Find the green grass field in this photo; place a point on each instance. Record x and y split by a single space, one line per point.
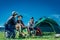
44 37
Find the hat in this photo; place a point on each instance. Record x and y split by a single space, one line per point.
14 13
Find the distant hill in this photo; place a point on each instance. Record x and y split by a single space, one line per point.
2 29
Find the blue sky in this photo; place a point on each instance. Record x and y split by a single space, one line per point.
30 8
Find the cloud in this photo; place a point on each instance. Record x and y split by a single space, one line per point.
1 26
56 16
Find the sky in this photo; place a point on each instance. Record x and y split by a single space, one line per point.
30 8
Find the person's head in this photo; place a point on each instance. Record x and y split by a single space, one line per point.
32 19
14 13
19 17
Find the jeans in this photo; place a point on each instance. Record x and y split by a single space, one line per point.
10 33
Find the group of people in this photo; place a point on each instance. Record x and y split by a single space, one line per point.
12 25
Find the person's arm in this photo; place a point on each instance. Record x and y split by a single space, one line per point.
14 21
22 24
28 24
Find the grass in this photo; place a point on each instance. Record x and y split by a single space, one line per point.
44 37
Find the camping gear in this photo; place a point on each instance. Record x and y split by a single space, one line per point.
47 25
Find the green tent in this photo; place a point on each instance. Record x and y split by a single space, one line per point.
47 25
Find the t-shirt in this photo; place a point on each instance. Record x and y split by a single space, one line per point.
30 24
20 21
11 21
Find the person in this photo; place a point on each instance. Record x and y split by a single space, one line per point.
10 26
30 26
20 25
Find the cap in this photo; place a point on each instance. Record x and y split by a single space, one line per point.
14 13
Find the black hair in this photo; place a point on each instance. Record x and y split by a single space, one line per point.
20 16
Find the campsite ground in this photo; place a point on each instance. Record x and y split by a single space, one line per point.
45 37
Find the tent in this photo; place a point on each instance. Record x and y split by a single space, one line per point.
47 25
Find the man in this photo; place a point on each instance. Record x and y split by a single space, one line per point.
10 26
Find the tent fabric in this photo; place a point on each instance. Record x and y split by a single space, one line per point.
44 23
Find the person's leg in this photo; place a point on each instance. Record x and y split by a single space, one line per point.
8 34
13 34
30 31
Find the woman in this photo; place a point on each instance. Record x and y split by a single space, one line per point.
30 26
20 25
